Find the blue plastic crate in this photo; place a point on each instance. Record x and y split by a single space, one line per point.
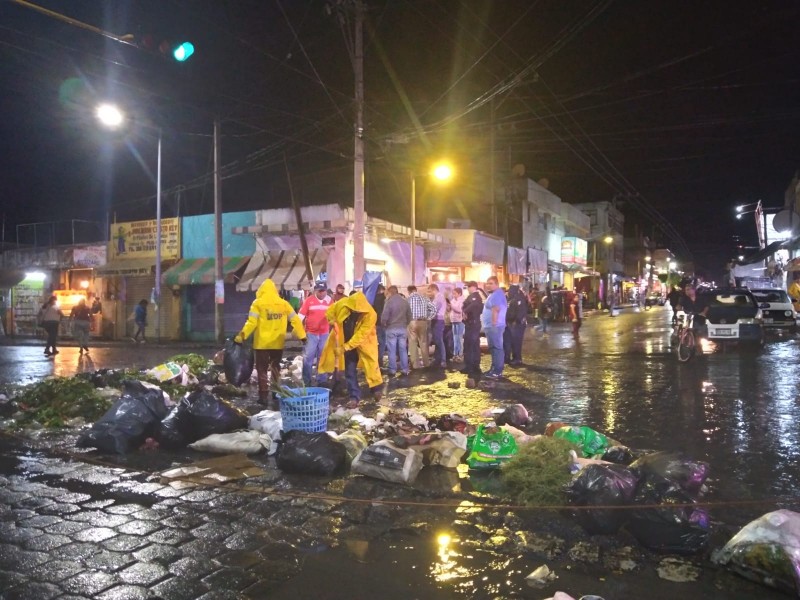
308 412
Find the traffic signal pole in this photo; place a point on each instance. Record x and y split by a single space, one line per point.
219 281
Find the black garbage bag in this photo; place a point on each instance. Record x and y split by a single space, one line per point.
619 455
196 416
237 362
602 485
682 529
687 473
304 453
130 420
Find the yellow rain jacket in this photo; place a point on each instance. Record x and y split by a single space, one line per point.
794 294
269 314
364 339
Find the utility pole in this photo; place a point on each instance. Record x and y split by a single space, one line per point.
219 281
492 141
298 215
358 170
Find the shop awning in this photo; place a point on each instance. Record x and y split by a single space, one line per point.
129 267
286 268
10 277
200 271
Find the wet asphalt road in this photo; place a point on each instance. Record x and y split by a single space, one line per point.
736 409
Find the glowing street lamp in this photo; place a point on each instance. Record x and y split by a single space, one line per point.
112 117
109 115
442 172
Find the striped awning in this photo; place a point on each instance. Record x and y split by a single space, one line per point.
200 271
286 268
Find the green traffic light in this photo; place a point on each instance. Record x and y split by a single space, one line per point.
183 51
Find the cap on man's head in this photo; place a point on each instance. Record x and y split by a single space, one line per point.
320 287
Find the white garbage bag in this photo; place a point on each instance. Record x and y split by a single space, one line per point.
247 442
269 422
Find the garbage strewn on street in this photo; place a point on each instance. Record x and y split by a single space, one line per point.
608 488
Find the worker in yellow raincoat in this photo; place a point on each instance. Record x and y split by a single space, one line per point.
353 343
794 291
269 315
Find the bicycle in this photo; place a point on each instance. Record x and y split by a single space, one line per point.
687 340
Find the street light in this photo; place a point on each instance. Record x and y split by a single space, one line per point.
442 172
112 117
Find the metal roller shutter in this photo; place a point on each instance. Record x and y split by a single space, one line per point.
141 288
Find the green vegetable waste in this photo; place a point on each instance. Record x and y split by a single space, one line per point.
537 475
196 363
55 401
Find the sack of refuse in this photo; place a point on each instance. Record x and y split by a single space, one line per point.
766 550
440 448
246 442
490 447
198 415
516 415
602 485
269 422
590 442
237 362
620 455
384 460
682 529
129 421
689 474
353 441
304 453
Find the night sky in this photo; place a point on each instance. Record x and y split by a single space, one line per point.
685 108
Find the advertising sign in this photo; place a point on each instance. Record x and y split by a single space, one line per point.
137 239
89 256
574 251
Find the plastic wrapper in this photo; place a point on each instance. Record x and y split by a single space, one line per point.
237 362
667 528
129 422
269 422
165 371
602 485
304 453
354 442
247 442
490 447
587 439
196 416
384 460
451 422
687 473
766 550
439 448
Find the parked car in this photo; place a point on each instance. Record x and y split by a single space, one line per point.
776 308
733 315
654 299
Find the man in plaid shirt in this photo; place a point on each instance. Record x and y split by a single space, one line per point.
422 311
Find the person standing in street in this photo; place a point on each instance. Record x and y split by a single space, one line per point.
516 322
575 314
339 294
472 310
437 326
545 311
268 319
353 343
316 326
422 312
493 320
457 320
395 319
378 304
50 318
81 316
140 320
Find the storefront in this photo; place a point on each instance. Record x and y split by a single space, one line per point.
129 277
466 255
329 235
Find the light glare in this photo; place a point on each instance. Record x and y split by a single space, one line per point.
109 115
442 172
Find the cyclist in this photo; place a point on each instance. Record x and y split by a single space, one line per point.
674 297
691 305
